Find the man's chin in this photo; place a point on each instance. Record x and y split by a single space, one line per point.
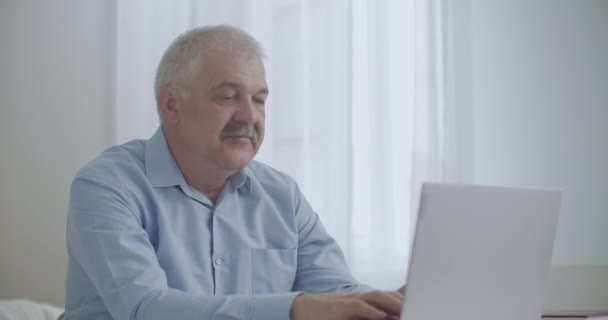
235 161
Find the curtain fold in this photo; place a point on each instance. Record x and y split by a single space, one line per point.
358 112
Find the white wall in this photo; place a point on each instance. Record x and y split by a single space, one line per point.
55 66
540 106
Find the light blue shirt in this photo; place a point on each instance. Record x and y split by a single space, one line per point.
143 244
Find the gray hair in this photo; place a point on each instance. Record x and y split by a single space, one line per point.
183 56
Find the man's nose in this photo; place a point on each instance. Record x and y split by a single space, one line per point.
247 112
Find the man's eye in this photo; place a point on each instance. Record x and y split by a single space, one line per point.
228 97
259 101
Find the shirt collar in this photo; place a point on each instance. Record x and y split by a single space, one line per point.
241 178
162 170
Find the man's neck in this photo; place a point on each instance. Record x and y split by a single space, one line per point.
208 181
202 176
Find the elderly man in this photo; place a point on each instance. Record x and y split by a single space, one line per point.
186 226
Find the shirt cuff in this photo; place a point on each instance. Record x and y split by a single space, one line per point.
273 306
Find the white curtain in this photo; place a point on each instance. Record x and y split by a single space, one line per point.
359 111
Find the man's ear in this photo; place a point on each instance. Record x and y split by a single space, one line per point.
168 105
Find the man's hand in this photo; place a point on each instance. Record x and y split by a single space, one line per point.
402 289
374 305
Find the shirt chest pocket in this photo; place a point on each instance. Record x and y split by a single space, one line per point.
273 270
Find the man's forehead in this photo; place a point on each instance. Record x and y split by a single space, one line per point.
232 71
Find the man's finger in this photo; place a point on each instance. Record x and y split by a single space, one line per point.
397 295
402 289
383 301
357 308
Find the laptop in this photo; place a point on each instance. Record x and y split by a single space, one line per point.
480 253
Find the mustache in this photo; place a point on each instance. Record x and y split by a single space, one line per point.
238 128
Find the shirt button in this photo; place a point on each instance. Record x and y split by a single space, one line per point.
218 261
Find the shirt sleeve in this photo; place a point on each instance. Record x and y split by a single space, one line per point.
105 238
322 266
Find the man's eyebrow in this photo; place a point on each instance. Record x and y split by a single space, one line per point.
237 86
226 84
